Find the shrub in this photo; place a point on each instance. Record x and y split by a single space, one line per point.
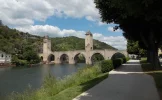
117 62
106 66
124 60
127 58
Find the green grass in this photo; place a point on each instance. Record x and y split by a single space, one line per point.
66 88
70 93
156 73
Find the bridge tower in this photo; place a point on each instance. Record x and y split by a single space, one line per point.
88 46
46 48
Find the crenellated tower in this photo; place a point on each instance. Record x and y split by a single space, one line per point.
88 46
88 41
46 48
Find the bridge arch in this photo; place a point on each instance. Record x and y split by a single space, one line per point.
97 57
51 58
81 57
41 58
64 58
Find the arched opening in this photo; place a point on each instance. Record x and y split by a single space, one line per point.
79 58
117 55
64 58
41 58
97 57
51 58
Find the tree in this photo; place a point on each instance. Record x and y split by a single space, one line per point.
30 55
134 48
140 20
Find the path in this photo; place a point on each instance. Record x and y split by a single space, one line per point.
125 83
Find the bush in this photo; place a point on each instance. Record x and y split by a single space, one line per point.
127 58
117 62
124 60
106 66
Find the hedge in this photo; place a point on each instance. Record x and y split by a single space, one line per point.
124 60
117 62
106 66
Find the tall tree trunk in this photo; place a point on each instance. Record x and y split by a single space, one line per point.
148 56
153 48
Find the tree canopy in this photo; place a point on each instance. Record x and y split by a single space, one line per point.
140 20
134 48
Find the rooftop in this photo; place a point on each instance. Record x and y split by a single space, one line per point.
88 33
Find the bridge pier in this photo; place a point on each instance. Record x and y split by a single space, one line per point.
88 61
57 60
71 60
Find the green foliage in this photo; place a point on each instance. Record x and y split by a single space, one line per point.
124 60
97 57
133 47
23 46
140 21
75 43
117 55
18 62
106 66
127 59
52 86
31 56
117 62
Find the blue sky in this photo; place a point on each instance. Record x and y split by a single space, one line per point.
59 18
79 24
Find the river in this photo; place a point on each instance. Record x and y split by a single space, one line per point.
19 79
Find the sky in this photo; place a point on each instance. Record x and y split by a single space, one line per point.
59 18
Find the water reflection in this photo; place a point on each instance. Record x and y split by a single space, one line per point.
18 79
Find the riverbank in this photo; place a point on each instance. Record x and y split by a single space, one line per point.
70 86
6 65
66 88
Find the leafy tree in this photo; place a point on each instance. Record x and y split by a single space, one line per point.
31 56
134 48
140 20
19 44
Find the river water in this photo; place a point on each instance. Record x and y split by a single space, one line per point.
19 79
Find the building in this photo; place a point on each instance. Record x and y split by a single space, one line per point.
5 58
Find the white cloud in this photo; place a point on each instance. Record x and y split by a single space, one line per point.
111 29
21 14
53 31
101 23
24 12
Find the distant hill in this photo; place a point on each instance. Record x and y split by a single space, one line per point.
13 41
75 43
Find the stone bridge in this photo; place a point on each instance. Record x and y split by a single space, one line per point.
57 57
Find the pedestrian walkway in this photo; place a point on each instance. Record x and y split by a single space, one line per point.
125 83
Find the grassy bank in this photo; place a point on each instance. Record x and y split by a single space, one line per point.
70 86
66 88
156 73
